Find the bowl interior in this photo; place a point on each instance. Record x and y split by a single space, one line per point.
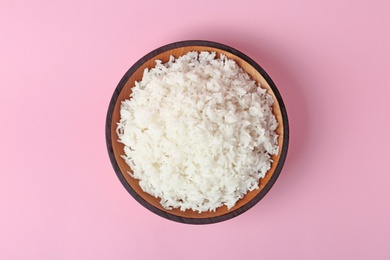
118 147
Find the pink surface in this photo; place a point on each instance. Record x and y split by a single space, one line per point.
60 62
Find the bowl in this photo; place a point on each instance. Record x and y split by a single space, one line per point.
115 149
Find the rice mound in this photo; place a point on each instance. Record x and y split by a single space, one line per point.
198 132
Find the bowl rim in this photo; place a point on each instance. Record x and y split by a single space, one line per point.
141 200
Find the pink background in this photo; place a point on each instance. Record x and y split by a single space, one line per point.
60 62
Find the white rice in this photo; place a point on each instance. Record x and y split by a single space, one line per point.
198 132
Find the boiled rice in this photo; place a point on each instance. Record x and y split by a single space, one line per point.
198 132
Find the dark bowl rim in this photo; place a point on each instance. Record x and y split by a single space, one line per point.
160 212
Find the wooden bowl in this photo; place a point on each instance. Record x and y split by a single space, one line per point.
115 149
